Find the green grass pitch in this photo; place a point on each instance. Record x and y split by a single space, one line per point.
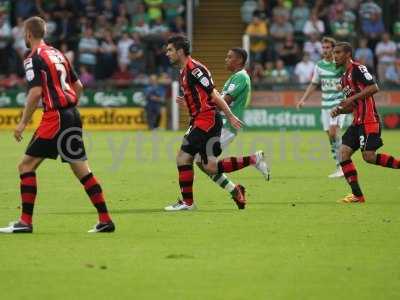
292 242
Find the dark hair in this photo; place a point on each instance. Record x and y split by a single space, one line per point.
330 40
346 47
36 26
240 52
180 42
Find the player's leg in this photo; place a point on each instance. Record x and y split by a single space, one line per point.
335 142
350 144
94 191
28 187
191 142
221 179
184 162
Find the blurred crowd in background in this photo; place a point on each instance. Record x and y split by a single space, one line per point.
285 36
113 43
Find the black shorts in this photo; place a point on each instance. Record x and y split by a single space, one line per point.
205 143
357 137
59 133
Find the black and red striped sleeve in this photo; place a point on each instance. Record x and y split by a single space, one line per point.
32 66
202 77
362 75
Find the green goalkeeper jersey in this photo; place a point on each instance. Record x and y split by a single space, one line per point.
328 75
238 86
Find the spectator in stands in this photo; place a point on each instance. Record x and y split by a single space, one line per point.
281 10
280 74
368 9
101 26
371 20
5 41
136 55
314 26
107 55
258 32
342 29
88 47
247 9
140 15
154 9
122 78
289 52
386 54
177 25
365 54
141 27
280 28
25 8
123 46
173 9
69 54
19 46
392 73
121 25
90 10
109 11
313 47
267 74
86 77
300 15
304 69
257 73
155 96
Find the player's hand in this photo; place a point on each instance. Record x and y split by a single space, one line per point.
180 100
18 131
336 111
300 104
235 122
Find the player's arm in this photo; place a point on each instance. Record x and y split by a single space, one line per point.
315 81
222 105
362 75
228 99
77 86
32 101
310 89
32 66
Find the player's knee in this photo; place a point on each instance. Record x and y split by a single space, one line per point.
24 167
369 157
210 168
344 154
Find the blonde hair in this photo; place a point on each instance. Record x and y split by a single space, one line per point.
36 26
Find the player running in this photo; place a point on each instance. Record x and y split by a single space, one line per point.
203 135
51 79
365 133
236 93
327 74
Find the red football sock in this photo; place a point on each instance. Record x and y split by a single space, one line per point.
186 176
387 161
350 173
231 164
95 193
28 195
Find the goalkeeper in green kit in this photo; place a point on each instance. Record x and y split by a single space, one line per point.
236 93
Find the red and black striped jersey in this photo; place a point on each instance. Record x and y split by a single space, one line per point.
354 80
197 86
48 68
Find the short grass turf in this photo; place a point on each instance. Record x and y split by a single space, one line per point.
292 242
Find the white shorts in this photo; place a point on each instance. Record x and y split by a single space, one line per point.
327 121
226 138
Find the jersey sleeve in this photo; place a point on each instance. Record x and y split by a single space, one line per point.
236 86
362 75
315 77
202 77
72 73
32 71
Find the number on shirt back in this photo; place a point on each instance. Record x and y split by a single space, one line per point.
58 61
